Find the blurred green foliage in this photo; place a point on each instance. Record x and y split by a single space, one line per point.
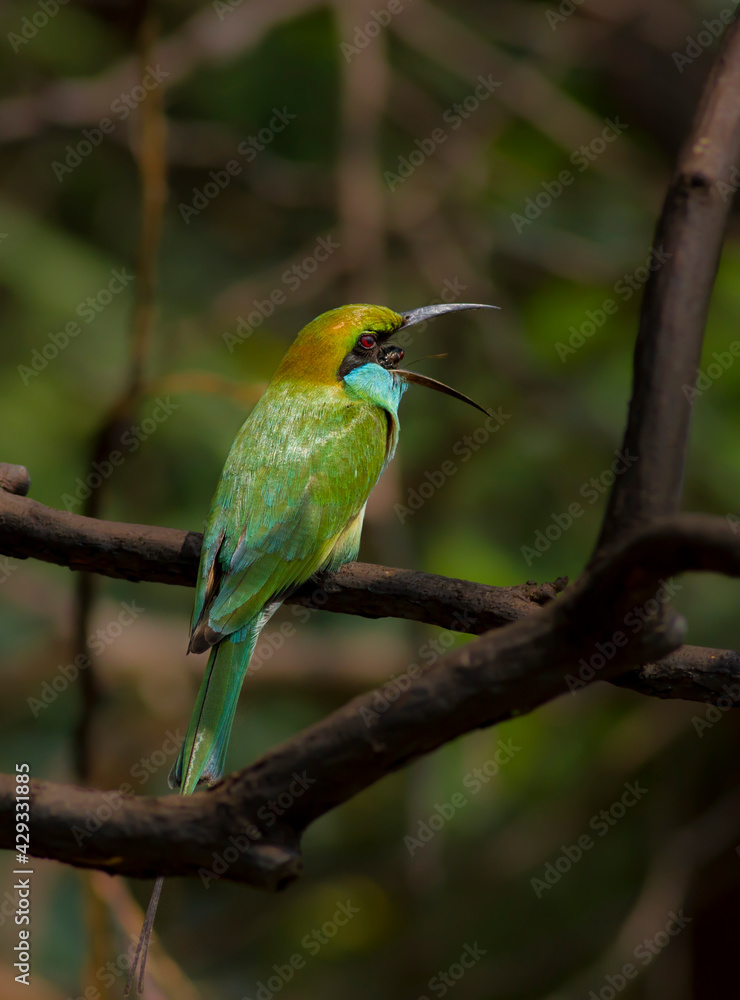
449 225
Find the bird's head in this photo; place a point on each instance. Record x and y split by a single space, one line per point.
344 339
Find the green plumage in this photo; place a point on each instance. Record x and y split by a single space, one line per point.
203 752
291 501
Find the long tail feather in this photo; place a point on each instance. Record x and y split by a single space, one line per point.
142 948
203 752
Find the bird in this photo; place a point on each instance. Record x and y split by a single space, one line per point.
290 503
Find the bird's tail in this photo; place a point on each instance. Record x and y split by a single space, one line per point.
203 752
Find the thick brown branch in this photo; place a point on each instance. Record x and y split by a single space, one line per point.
501 674
167 555
674 309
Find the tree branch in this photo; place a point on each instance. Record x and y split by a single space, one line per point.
168 555
499 675
675 305
236 830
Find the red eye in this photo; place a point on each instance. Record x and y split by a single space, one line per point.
367 341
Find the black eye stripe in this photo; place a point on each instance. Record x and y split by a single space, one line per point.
363 353
359 355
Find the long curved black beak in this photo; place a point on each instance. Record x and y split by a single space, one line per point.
421 315
432 383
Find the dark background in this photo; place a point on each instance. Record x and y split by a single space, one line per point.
452 227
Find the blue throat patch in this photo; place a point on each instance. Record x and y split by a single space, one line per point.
377 385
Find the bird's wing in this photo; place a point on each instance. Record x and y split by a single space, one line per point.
289 502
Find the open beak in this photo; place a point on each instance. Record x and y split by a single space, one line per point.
415 316
432 383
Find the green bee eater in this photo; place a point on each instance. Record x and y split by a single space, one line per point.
291 502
